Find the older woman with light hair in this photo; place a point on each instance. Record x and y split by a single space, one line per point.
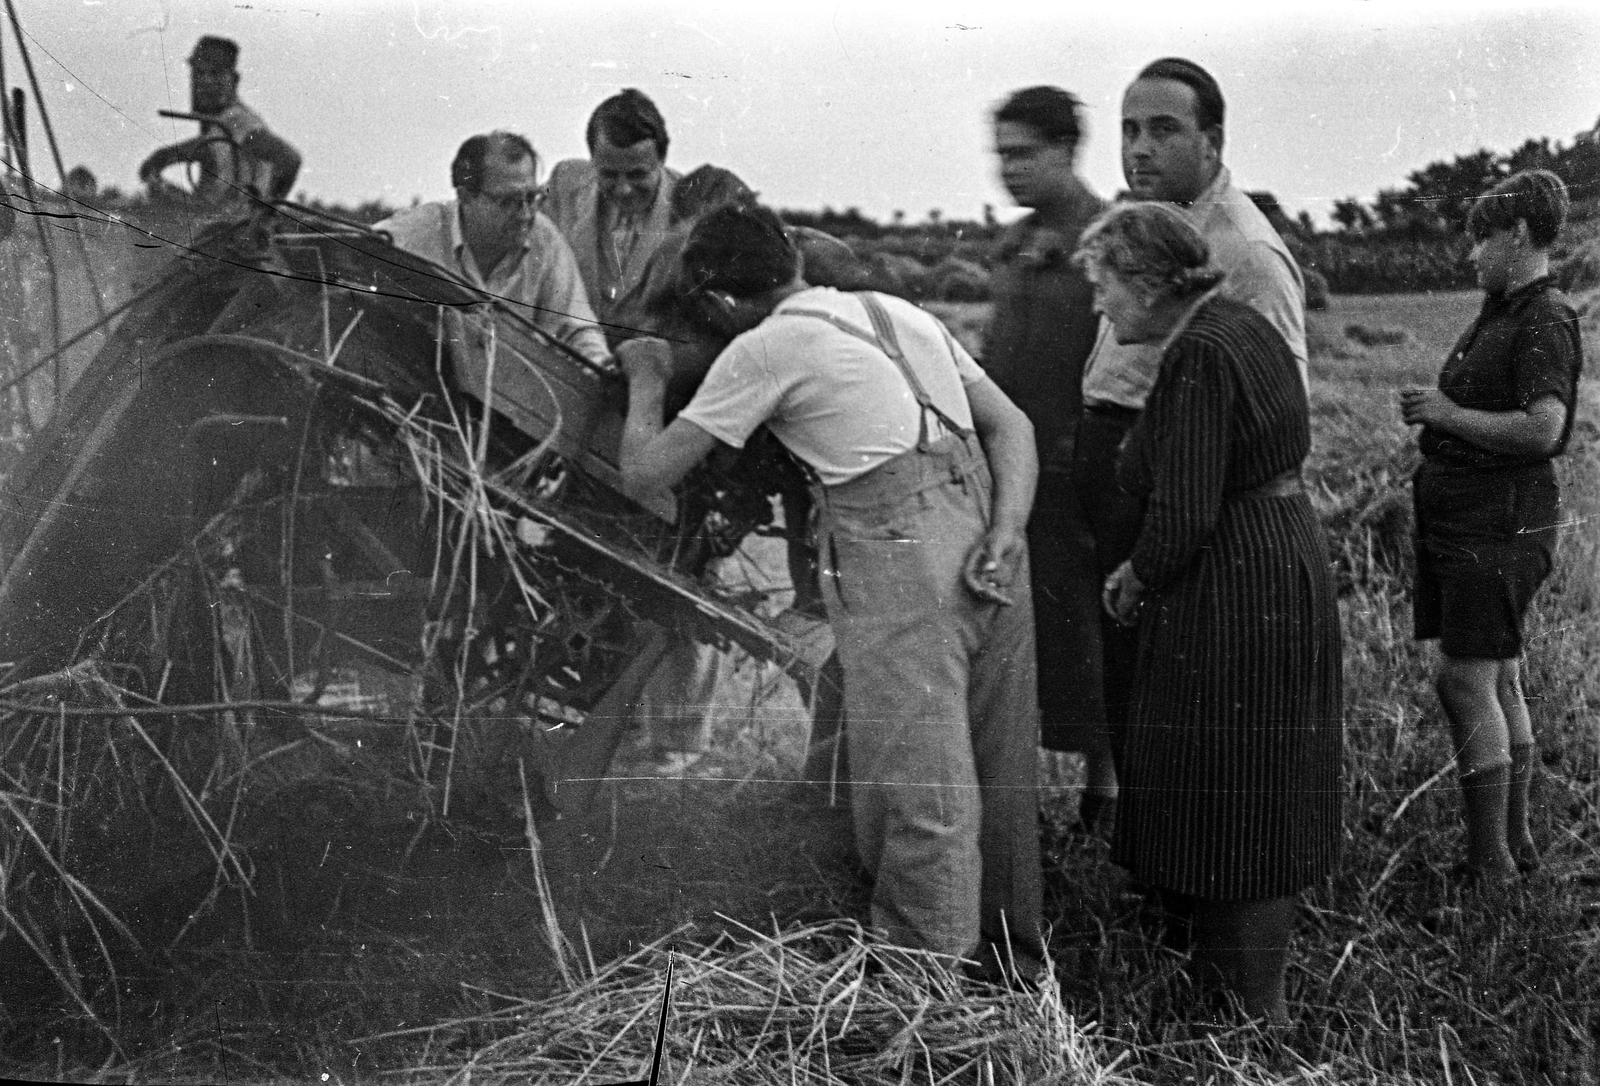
1231 795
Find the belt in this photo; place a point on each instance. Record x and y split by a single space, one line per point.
1286 485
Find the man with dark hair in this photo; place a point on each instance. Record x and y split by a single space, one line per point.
923 475
615 210
622 212
676 705
236 154
625 119
1209 107
1042 328
1172 141
492 236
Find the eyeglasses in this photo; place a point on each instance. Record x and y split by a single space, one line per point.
512 202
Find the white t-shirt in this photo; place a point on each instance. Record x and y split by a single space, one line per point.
834 400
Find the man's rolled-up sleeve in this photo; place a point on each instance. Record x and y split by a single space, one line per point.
562 304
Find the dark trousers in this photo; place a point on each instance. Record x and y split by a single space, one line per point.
1113 517
1066 613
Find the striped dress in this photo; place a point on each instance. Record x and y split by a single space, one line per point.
1230 788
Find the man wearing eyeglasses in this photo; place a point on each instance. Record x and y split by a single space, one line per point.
493 235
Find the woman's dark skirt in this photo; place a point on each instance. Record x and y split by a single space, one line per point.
1230 785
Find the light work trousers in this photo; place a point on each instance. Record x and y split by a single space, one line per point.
940 691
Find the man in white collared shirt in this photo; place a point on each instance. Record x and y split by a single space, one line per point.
493 236
1171 150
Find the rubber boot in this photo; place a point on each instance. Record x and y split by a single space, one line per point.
1518 800
1484 796
1166 917
1097 805
1241 953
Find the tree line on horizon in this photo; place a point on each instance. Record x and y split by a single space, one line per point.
1412 237
1406 238
1436 198
1433 202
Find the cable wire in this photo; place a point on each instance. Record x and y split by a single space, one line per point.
55 148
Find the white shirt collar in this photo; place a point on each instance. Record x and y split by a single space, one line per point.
1212 194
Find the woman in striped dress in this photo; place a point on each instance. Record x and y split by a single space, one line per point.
1231 795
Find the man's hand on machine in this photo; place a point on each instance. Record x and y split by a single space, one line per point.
645 359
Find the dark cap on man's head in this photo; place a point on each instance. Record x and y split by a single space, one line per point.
213 52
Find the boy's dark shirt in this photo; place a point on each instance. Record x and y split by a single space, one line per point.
1524 345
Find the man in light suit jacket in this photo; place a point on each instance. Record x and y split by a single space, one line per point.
615 208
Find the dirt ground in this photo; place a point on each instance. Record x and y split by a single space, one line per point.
360 929
355 932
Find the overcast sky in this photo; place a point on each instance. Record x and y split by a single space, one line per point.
877 106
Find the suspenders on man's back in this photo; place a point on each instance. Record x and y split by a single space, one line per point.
888 342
